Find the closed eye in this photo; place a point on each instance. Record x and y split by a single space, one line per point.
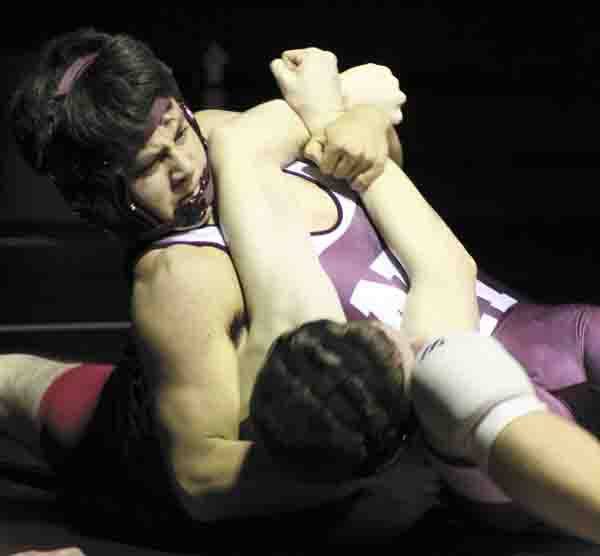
179 139
146 170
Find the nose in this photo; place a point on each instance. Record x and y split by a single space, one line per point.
181 168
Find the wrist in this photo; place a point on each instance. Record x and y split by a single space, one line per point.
317 122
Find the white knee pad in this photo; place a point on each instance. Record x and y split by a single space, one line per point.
466 388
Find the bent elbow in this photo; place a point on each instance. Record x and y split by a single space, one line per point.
470 265
200 497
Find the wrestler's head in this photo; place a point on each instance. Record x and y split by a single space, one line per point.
104 118
330 403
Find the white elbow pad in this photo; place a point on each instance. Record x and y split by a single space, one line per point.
466 388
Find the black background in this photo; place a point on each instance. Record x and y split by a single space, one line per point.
500 133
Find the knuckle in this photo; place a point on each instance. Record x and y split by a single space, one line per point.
352 151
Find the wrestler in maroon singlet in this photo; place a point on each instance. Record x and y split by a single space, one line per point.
558 345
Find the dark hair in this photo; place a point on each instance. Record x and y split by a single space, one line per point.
87 139
329 404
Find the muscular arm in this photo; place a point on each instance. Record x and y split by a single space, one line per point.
282 279
202 397
442 274
550 466
183 314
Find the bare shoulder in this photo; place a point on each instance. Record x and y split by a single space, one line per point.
184 301
181 270
184 296
209 120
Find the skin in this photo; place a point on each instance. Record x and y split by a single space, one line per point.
220 475
527 458
203 390
168 167
163 281
207 456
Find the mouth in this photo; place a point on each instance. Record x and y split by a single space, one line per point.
192 210
192 197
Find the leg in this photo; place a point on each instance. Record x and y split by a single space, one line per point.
559 346
583 398
41 398
24 379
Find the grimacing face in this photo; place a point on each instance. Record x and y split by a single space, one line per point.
168 168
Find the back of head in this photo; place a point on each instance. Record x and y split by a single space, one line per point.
86 139
329 404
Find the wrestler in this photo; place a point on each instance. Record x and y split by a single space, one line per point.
365 427
235 325
161 200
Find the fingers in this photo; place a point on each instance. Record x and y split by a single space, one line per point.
359 168
352 167
295 58
363 165
347 167
280 71
291 61
364 180
314 149
332 156
397 116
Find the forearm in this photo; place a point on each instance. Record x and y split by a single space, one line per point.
271 131
237 479
442 273
396 150
550 466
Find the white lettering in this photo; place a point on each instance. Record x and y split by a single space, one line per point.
386 268
500 301
380 300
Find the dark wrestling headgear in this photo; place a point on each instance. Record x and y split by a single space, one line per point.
114 209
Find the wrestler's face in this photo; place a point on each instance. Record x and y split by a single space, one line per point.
168 168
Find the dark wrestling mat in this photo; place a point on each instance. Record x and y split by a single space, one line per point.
31 518
42 281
